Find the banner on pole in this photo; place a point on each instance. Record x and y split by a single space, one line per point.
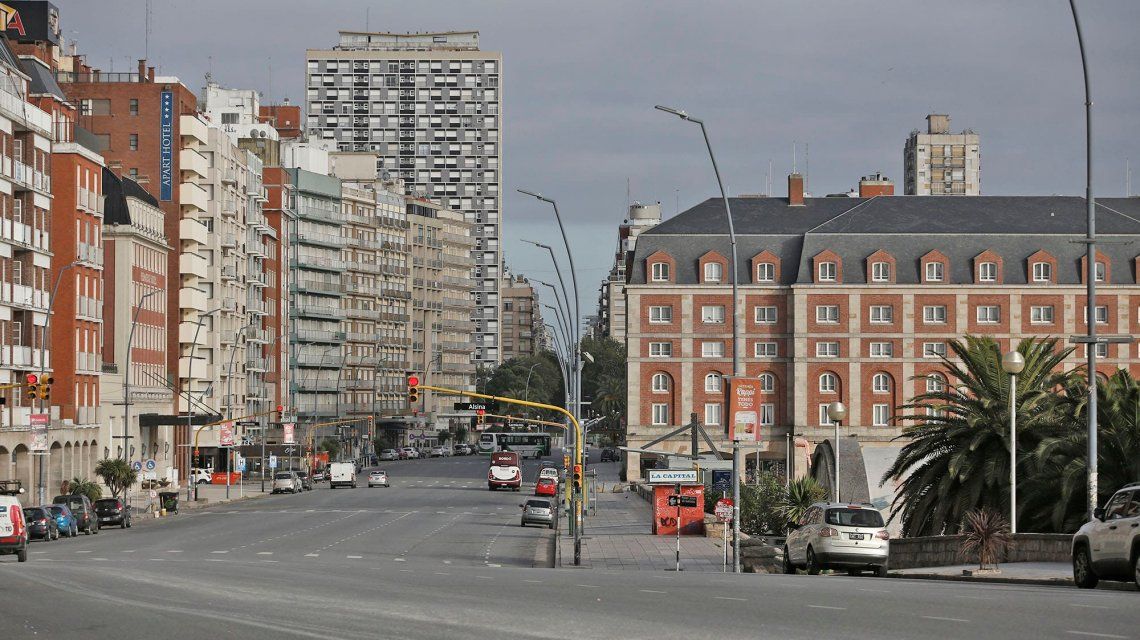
289 432
226 435
39 423
743 409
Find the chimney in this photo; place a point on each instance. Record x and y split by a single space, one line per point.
874 185
142 70
937 123
795 190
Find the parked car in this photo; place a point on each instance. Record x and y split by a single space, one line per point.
461 450
319 475
546 487
64 520
306 481
838 536
437 452
41 524
1108 546
388 455
201 476
286 482
409 453
112 511
83 511
610 454
538 511
378 479
13 528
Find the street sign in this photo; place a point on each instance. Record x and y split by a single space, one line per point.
136 465
290 450
240 463
246 423
723 509
150 464
684 501
150 475
288 431
272 462
471 406
672 476
721 479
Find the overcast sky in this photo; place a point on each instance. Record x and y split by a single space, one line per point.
847 77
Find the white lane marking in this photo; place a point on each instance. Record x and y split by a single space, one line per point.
1090 606
81 552
312 555
533 581
1096 635
405 571
446 562
820 606
354 557
651 591
728 598
127 551
588 586
945 619
485 577
271 561
99 559
174 551
264 553
219 552
441 573
399 559
875 590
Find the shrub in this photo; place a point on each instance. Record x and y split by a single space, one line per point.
986 534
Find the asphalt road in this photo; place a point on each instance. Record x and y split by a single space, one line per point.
439 556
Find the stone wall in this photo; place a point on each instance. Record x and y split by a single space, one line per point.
940 551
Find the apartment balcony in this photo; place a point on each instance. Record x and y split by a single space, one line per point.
258 336
27 176
253 246
187 332
192 230
315 311
321 239
260 365
88 308
192 264
193 129
21 111
229 241
191 298
87 416
228 176
229 208
23 358
191 195
254 303
361 313
317 263
229 272
360 336
256 392
316 335
191 161
201 369
357 384
257 279
305 285
89 201
89 254
320 215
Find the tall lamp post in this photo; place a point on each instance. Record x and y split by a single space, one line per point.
736 370
42 488
837 411
1012 363
190 482
127 380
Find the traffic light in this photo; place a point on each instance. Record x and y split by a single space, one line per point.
32 388
480 416
280 410
577 479
413 390
44 389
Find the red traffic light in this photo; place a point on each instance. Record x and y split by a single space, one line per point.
480 412
280 408
33 378
413 381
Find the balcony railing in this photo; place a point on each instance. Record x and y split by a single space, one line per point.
89 253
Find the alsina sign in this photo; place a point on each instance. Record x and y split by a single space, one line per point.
166 147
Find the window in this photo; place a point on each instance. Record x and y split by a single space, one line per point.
712 349
1041 315
765 315
229 118
827 383
989 314
660 383
767 383
134 173
880 415
660 272
882 314
660 413
712 414
880 272
713 271
1100 271
934 314
660 315
933 349
764 350
827 314
935 383
660 349
881 383
134 105
1101 315
827 349
766 272
134 142
882 350
712 314
767 414
934 271
824 419
1042 272
987 272
712 383
1101 350
827 271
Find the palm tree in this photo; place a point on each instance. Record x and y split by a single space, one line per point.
83 486
116 473
957 456
801 494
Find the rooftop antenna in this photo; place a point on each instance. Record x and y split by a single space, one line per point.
807 168
769 177
1127 178
367 15
793 156
676 201
146 46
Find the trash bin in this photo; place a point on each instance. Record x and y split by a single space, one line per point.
169 501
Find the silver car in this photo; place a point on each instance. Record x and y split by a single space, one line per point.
838 536
1108 546
378 479
286 482
538 511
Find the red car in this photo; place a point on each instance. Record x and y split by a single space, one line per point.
546 487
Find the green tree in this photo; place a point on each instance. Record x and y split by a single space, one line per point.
956 459
116 473
84 487
604 382
800 495
331 445
461 434
533 378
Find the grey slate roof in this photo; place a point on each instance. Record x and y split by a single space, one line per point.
907 227
42 80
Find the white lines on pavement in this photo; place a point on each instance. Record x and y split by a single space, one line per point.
533 581
354 557
485 577
174 550
491 564
82 552
944 619
312 555
99 559
442 573
400 559
274 561
821 606
446 562
651 591
588 586
214 560
264 553
1096 635
1090 606
728 598
127 551
875 590
219 552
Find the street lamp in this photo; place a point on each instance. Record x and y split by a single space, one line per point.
42 488
189 397
837 411
526 394
736 371
1012 363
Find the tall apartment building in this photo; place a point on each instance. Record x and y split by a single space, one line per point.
429 104
854 299
521 319
442 331
611 295
940 163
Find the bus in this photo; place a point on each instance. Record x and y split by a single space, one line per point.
527 445
504 471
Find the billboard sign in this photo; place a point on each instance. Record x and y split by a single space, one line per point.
28 21
743 409
39 424
166 146
226 435
673 476
289 436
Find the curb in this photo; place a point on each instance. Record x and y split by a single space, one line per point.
1045 582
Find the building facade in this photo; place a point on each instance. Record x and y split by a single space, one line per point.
523 328
429 105
940 163
610 321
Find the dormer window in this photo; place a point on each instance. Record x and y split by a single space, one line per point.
1101 270
765 272
659 272
935 272
714 271
987 272
1042 272
827 271
881 272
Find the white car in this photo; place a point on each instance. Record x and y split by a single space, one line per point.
1108 547
389 455
549 472
378 479
201 476
439 452
838 536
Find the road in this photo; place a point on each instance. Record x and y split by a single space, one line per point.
439 556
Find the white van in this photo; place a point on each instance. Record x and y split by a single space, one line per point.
342 474
13 527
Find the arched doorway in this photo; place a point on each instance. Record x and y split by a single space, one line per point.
22 466
55 467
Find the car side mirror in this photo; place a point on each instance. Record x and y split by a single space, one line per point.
1098 513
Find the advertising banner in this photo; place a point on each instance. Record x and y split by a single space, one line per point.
226 435
39 423
289 429
30 21
743 409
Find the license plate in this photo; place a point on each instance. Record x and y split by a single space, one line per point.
855 536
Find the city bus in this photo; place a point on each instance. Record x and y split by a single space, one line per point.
527 445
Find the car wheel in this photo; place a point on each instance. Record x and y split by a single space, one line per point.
97 528
881 571
87 531
1136 567
523 523
789 568
22 554
551 526
813 566
1083 575
123 524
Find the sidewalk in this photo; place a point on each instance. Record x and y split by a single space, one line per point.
208 494
618 537
1043 573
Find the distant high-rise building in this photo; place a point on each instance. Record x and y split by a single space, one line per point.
429 105
610 322
522 320
940 163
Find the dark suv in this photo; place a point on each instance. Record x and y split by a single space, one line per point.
1108 547
85 517
112 511
610 454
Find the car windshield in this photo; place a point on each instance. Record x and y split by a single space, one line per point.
33 513
284 475
106 504
854 517
302 474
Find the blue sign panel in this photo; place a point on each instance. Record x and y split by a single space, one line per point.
166 151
